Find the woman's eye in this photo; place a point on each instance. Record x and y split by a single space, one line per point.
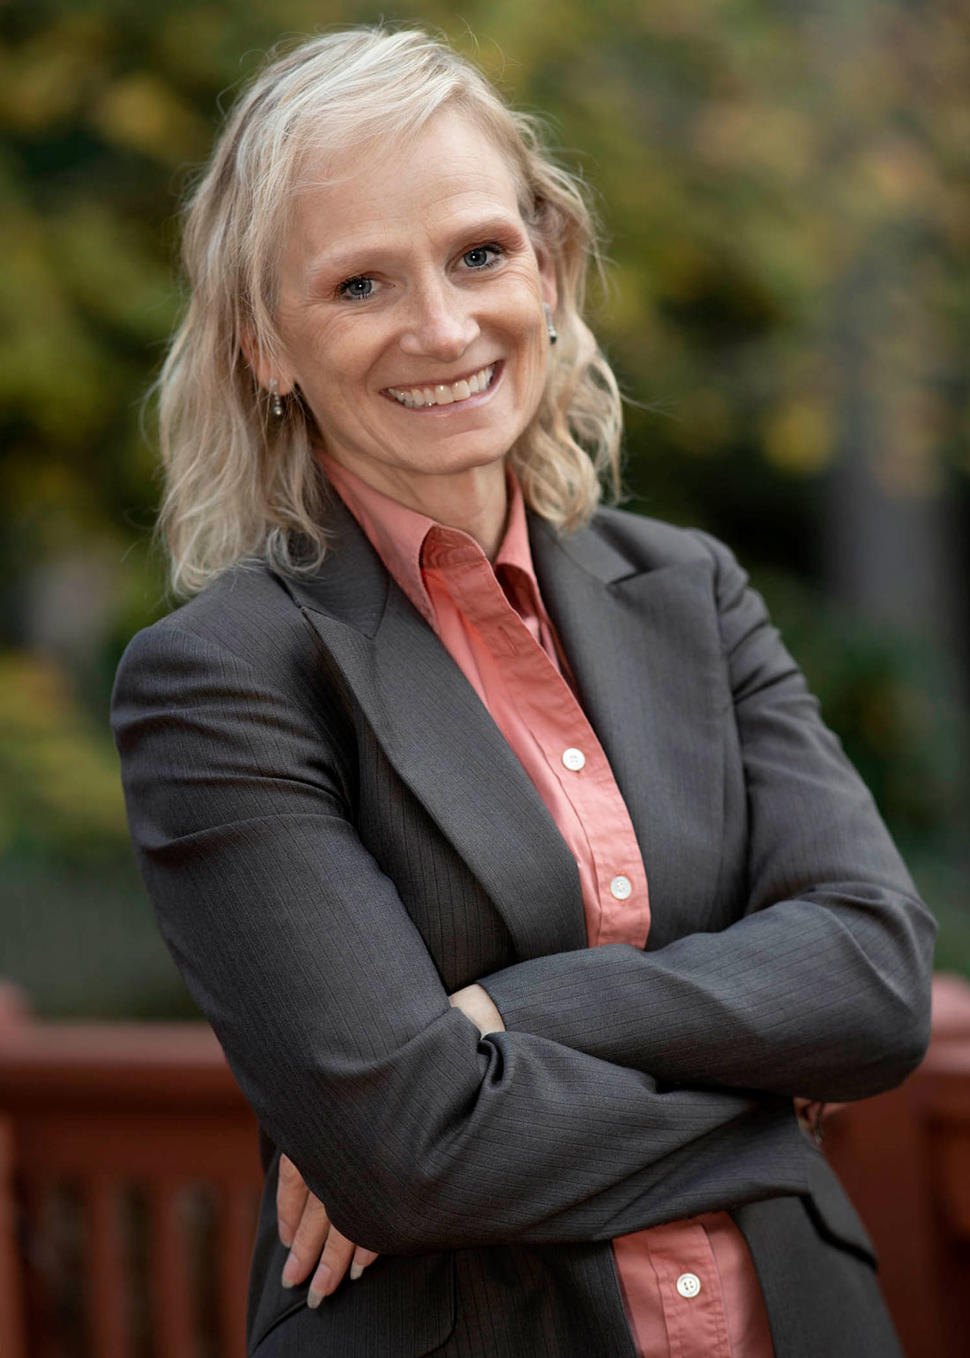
357 288
482 256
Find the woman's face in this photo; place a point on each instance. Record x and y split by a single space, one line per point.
411 308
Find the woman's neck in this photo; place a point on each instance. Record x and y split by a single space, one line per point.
474 501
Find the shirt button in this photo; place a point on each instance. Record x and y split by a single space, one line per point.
573 759
621 888
688 1285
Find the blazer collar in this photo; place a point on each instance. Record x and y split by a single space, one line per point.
442 742
352 583
643 646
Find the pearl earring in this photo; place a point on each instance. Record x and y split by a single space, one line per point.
553 334
275 400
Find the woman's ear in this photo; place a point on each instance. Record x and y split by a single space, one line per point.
547 277
264 369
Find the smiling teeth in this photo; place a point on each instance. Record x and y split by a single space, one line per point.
416 398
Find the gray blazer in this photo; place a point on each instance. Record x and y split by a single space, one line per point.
335 835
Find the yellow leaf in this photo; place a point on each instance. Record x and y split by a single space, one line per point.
798 436
143 114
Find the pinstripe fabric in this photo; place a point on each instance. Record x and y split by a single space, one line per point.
334 836
490 619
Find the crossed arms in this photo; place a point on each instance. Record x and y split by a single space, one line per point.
677 1067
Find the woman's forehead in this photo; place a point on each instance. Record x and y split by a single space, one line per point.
449 137
448 168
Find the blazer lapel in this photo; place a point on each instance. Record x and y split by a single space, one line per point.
443 744
645 651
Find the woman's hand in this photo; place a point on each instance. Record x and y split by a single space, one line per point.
305 1229
810 1113
301 1217
476 1003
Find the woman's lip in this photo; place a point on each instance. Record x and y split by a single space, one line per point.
452 407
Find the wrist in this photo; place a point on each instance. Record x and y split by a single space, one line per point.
476 1004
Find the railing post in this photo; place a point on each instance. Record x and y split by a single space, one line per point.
12 1341
169 1269
107 1290
236 1230
13 1010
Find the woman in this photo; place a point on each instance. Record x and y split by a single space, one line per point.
495 833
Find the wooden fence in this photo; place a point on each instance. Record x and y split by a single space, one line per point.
129 1177
129 1180
905 1159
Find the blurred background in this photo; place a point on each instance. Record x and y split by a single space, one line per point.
783 189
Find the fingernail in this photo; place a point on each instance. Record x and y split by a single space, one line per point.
290 1269
320 1287
286 1236
355 1272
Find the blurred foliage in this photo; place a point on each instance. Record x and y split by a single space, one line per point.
770 177
54 770
889 700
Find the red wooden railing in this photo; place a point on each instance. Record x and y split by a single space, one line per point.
905 1159
129 1177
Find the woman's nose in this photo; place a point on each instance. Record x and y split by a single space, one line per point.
440 324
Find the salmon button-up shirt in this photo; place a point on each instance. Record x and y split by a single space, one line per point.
689 1287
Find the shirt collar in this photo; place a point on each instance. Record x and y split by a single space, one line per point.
398 534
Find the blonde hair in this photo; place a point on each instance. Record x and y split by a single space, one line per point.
240 484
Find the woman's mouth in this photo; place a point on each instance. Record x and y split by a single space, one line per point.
445 394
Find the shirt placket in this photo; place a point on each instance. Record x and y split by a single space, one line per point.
690 1291
572 753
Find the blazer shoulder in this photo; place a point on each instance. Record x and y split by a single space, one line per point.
246 613
652 543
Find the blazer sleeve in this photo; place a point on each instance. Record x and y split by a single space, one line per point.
417 1134
822 988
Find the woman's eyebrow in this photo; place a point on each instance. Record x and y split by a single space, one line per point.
360 256
353 259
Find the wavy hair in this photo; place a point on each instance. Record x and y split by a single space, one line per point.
239 484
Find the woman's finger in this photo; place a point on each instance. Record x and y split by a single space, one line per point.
361 1259
291 1196
309 1239
335 1261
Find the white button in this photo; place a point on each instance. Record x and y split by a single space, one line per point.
573 759
688 1284
621 888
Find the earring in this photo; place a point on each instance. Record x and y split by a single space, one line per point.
553 334
275 400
